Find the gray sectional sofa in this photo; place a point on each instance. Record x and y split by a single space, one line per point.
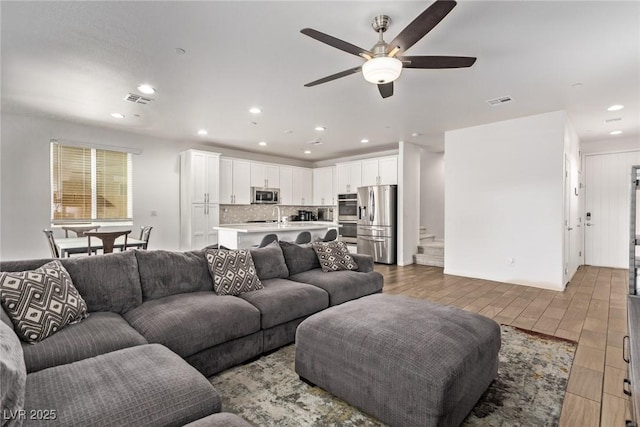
150 311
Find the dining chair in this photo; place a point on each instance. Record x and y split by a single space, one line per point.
331 235
303 237
268 238
79 230
108 239
145 232
55 253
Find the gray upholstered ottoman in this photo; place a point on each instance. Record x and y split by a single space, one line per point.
406 361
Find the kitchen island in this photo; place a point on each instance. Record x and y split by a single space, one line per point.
245 235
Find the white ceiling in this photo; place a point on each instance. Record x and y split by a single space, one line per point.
77 60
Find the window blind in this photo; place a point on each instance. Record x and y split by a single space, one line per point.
89 184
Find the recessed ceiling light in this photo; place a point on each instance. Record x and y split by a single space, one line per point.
202 132
320 128
364 141
146 88
616 107
262 143
307 151
416 134
615 132
117 115
255 110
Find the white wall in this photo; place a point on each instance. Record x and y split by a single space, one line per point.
408 202
25 181
504 200
610 145
432 192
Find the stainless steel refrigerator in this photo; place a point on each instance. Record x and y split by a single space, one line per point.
377 222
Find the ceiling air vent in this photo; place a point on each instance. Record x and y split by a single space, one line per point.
315 142
615 119
499 101
132 97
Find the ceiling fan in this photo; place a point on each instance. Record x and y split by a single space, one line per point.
384 62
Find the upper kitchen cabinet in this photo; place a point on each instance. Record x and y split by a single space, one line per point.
380 171
323 189
349 177
302 189
286 185
235 181
295 186
264 175
199 172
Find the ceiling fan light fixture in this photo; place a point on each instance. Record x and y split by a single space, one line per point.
381 69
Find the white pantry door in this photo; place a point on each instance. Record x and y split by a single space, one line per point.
606 220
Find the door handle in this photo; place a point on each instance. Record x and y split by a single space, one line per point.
588 224
570 228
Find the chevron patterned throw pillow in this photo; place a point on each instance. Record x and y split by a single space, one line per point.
233 271
42 301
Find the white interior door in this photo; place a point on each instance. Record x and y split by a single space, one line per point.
567 221
606 218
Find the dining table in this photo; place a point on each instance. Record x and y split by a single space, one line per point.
76 245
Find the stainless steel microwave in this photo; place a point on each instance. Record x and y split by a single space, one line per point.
261 195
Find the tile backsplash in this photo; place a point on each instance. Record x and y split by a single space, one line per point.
233 214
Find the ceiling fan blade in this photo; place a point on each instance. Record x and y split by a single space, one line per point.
420 26
334 42
433 62
386 89
334 76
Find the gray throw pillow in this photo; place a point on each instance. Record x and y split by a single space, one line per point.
233 271
269 262
334 256
41 302
299 258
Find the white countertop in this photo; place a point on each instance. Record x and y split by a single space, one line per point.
261 227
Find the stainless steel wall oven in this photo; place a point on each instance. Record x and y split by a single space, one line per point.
348 207
348 231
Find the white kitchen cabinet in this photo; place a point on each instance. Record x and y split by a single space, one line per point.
200 233
302 187
286 185
296 186
199 176
380 171
323 189
199 196
388 170
349 177
235 181
264 175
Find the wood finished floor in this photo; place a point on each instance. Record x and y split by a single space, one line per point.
592 311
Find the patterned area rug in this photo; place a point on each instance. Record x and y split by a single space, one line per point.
528 391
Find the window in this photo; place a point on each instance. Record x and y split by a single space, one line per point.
90 184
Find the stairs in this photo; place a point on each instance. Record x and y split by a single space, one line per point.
430 250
